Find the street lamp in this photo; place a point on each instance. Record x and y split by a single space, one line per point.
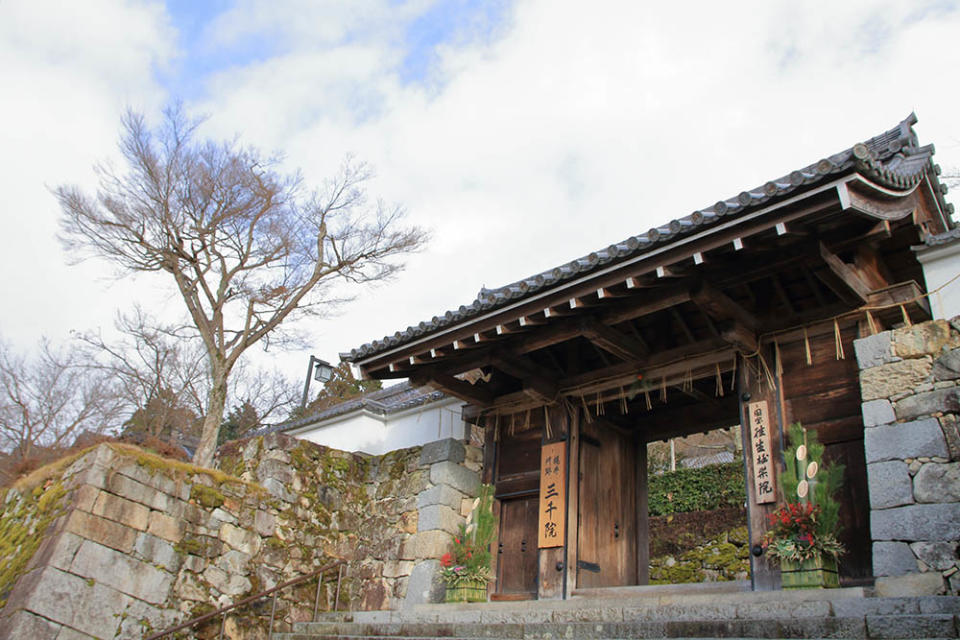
319 370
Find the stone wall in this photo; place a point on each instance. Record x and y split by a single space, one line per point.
132 542
910 386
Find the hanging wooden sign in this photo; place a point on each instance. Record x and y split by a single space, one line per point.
759 425
553 495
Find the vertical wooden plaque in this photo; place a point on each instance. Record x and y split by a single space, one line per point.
763 481
553 495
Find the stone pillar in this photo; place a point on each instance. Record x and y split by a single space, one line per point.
442 507
910 387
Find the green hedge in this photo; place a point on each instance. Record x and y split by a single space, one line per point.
704 489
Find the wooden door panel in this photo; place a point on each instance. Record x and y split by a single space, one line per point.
606 538
517 565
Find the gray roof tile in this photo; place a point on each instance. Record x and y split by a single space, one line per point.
893 158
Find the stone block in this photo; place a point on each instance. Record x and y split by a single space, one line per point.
874 350
889 484
425 584
460 478
924 626
893 559
928 403
157 551
397 568
234 562
278 489
23 624
440 517
73 601
130 489
951 433
888 380
155 479
56 550
939 556
916 522
938 483
121 510
122 572
85 496
66 633
426 544
447 450
947 366
264 523
921 339
106 532
166 527
227 583
877 412
904 440
240 539
439 494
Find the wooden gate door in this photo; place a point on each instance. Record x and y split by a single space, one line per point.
606 532
517 550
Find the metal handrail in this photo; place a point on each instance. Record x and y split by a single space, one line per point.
258 596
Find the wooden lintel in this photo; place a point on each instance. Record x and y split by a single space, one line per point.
457 388
842 278
719 306
612 341
690 419
656 301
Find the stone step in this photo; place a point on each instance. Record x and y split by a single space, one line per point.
881 626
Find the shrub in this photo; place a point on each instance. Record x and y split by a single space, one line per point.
703 489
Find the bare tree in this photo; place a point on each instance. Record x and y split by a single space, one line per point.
48 400
246 246
163 378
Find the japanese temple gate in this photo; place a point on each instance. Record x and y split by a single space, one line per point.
741 313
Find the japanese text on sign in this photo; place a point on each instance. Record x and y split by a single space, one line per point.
759 426
553 495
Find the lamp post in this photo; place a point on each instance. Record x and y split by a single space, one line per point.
319 370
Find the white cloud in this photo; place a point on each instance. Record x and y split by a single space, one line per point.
571 129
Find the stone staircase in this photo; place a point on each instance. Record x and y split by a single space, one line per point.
644 612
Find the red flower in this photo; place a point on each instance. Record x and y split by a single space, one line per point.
446 559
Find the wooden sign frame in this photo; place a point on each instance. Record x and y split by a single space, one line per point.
551 530
764 484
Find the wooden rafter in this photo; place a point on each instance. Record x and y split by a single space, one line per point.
612 341
467 392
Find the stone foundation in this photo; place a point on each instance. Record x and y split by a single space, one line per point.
133 542
910 385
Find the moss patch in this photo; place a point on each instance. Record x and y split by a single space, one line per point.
23 522
207 496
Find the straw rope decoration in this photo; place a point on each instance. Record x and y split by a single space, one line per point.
586 409
838 341
646 395
601 410
687 381
872 324
624 407
806 347
719 390
663 389
546 423
906 316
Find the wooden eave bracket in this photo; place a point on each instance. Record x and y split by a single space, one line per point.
457 388
538 382
869 199
721 307
842 278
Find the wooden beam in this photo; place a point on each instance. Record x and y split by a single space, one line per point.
741 337
538 382
719 306
842 278
611 340
673 421
457 388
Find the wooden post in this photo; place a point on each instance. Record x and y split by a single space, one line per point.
643 515
573 505
753 386
552 560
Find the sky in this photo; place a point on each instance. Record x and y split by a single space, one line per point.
524 134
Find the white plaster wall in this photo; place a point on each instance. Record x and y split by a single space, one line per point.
940 265
375 434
